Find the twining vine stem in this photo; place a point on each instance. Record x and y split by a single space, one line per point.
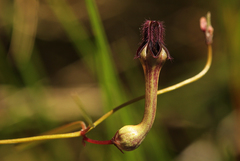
105 116
205 25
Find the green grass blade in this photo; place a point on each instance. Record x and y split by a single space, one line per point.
108 78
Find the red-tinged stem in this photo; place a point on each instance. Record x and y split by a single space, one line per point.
105 142
85 138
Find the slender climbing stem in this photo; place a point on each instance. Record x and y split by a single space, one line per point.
49 136
43 137
209 34
105 116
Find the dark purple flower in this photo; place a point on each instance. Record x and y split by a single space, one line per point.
152 38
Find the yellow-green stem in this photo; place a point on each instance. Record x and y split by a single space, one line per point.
101 119
105 116
44 137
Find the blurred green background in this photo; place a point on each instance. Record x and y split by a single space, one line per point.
50 49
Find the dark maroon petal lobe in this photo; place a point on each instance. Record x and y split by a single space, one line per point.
152 38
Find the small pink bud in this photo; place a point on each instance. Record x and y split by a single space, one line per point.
206 27
203 24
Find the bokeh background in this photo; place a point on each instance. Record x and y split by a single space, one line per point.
50 49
